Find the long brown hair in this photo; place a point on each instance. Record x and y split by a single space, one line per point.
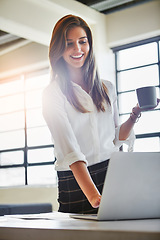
97 90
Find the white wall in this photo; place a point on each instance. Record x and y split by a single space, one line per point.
133 24
31 57
38 194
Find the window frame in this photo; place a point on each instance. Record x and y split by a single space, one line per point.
26 148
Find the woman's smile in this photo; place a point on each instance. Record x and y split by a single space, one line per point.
78 57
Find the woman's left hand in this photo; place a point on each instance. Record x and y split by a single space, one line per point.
147 109
138 109
158 101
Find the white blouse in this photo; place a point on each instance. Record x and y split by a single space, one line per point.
90 137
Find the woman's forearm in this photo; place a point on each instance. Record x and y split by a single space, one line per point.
127 126
86 183
125 129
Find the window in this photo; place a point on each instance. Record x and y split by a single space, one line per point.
138 65
26 148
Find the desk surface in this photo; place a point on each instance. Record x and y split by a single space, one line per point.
61 226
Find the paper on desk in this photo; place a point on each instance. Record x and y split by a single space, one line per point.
46 216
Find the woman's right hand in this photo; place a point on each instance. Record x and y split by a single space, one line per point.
86 183
95 201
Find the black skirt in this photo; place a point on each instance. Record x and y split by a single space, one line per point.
71 198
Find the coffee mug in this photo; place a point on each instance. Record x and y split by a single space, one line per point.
147 97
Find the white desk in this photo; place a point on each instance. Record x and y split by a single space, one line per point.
61 226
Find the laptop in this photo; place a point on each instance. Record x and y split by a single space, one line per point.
131 188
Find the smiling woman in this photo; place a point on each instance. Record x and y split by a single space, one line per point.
75 31
81 112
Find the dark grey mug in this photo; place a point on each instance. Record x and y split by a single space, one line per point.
147 97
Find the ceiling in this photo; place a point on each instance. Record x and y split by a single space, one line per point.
108 6
10 42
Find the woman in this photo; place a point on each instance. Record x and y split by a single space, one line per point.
81 113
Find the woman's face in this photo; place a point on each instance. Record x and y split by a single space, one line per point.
77 48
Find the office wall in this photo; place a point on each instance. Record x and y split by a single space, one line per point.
133 24
28 194
30 57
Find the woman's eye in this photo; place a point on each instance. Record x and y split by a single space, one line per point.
69 43
82 42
